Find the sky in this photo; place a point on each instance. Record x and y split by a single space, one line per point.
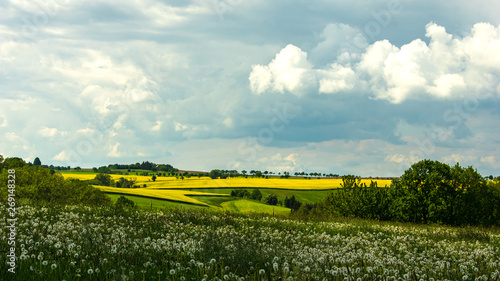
344 87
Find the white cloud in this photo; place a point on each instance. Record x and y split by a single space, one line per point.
453 158
260 78
114 151
157 126
490 160
13 137
47 132
337 38
289 71
337 79
180 127
3 122
62 156
445 68
228 122
402 158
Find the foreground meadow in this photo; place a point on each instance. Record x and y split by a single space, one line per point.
83 243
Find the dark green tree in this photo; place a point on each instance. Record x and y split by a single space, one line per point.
271 199
104 179
37 162
256 195
123 202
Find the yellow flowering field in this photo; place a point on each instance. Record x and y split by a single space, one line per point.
206 182
176 195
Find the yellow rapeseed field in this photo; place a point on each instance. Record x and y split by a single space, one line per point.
206 182
175 195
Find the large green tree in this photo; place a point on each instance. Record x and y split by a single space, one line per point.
427 181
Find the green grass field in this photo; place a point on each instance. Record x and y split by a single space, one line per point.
249 206
306 196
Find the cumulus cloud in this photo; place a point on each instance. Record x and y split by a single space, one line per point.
337 78
402 159
47 132
490 160
289 71
337 38
114 151
62 156
448 67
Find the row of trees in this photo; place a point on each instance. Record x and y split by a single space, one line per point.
271 199
428 192
214 174
145 165
243 193
107 180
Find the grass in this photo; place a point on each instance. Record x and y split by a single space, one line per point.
181 196
249 206
155 204
215 201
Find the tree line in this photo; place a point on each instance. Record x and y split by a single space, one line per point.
41 185
428 192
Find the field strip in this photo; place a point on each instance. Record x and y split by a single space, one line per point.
245 187
248 206
181 196
156 198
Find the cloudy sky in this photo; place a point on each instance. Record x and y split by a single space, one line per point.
359 87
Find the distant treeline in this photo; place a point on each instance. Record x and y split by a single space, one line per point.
145 165
428 192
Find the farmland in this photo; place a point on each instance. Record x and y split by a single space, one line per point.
200 191
238 182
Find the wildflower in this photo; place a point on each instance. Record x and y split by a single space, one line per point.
172 271
262 272
53 266
90 271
